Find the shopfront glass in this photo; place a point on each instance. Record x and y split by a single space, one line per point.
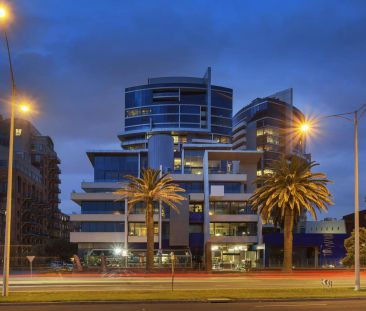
233 257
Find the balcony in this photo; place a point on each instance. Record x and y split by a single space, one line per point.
234 239
55 179
55 190
141 239
94 196
234 197
165 95
97 237
89 186
133 142
97 217
187 177
233 218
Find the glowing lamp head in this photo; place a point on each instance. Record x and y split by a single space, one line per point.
117 251
24 108
305 127
2 13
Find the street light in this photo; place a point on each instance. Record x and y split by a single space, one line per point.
353 117
5 292
305 127
2 13
24 108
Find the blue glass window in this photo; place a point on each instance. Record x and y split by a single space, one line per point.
221 130
165 109
165 118
221 121
190 109
114 168
192 187
137 120
190 118
102 207
138 98
229 187
221 99
233 228
221 112
190 125
193 96
138 127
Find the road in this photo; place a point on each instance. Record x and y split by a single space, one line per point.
334 305
191 282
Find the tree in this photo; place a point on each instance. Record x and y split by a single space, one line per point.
148 189
286 192
349 244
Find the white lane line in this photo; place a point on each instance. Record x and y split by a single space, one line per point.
292 305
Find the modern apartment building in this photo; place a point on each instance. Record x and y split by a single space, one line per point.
191 110
36 217
270 125
182 125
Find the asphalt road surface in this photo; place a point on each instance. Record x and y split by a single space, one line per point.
120 283
334 305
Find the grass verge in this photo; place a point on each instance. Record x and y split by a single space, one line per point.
184 295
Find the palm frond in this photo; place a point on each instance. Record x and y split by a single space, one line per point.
151 187
291 186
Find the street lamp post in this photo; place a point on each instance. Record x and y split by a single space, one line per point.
356 115
5 291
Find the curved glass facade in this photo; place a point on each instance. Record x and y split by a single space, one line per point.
177 108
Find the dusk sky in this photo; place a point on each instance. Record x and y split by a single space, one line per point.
76 57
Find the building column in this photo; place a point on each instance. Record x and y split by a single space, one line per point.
126 225
206 214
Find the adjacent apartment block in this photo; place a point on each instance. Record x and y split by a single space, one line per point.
270 124
36 217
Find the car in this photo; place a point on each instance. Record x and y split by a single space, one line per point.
59 265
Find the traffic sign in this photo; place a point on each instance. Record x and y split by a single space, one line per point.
31 258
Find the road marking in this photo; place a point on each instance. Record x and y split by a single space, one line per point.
292 305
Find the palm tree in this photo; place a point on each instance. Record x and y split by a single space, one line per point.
148 189
290 189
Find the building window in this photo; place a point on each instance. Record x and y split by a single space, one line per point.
192 187
195 207
193 161
18 132
139 229
102 207
233 229
195 228
229 187
231 208
100 226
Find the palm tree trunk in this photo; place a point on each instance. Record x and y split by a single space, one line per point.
150 236
287 240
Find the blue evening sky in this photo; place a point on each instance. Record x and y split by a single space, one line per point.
75 57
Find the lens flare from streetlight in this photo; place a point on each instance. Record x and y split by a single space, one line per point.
305 127
3 12
117 251
24 108
6 15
